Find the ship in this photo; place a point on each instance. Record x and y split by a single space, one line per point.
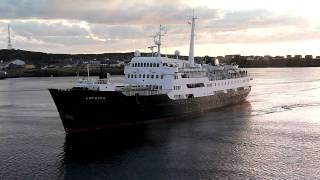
154 88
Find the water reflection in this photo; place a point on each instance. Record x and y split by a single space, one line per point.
194 144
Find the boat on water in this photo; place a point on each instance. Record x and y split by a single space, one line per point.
154 88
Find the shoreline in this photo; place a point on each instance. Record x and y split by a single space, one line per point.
94 72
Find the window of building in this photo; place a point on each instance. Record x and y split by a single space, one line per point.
143 75
139 75
151 76
161 76
128 75
147 75
131 75
157 76
157 64
135 76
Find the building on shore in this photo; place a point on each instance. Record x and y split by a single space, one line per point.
15 64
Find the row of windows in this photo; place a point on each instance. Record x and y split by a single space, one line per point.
145 64
152 76
176 87
197 85
232 82
154 87
150 86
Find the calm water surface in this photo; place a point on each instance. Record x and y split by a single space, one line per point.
274 134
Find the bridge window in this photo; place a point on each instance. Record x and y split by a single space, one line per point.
195 85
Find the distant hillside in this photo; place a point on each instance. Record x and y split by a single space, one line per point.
40 58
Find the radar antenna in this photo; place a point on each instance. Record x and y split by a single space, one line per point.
151 48
157 38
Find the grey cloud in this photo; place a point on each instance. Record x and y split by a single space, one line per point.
129 25
257 18
101 11
242 37
35 29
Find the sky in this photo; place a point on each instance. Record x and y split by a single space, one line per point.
247 27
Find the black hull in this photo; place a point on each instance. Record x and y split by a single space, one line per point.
86 110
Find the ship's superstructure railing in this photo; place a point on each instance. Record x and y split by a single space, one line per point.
142 91
93 81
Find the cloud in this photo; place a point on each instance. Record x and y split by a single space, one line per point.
101 11
255 18
36 28
119 25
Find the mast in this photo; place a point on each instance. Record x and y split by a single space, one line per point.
191 50
9 38
88 71
159 42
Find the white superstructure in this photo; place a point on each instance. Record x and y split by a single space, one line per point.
179 79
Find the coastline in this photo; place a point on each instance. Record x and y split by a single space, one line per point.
62 72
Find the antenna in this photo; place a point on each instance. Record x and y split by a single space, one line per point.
9 38
191 50
151 48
